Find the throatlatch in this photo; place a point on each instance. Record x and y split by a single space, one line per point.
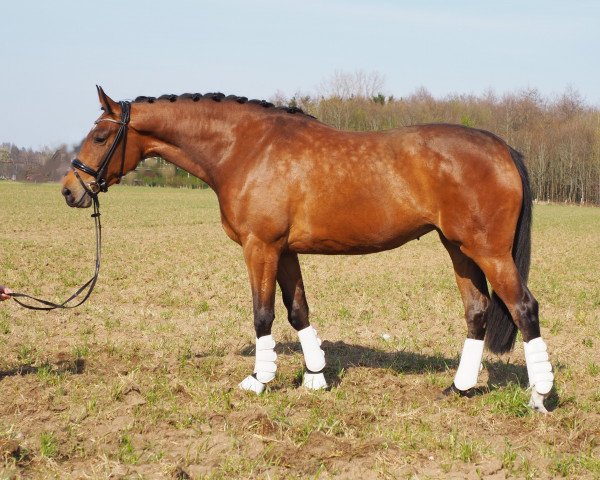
264 366
470 364
314 358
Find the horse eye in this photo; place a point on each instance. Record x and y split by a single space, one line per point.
99 139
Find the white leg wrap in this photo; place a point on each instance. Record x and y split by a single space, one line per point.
264 367
314 381
539 369
252 385
314 356
470 364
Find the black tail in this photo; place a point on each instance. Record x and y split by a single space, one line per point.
501 330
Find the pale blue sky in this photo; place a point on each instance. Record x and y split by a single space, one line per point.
53 53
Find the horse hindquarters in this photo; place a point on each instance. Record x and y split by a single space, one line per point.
512 304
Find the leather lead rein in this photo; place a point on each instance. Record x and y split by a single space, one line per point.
90 284
100 184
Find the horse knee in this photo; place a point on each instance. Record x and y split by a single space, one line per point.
298 316
263 320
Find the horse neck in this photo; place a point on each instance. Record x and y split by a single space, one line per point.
195 136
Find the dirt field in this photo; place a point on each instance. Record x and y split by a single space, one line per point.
141 381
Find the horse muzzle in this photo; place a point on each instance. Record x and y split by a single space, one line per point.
76 197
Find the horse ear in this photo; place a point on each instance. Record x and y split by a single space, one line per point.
107 103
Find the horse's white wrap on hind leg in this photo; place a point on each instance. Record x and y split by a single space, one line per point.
470 364
314 358
264 367
539 369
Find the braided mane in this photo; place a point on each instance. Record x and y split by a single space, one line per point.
219 97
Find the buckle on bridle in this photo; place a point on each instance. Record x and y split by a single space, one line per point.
98 186
94 187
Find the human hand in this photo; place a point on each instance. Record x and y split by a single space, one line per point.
4 293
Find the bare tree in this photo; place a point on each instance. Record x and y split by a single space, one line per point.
358 84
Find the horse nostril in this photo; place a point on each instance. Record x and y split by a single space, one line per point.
66 192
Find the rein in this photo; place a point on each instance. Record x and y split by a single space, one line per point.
100 184
90 284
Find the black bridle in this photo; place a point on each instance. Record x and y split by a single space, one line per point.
100 184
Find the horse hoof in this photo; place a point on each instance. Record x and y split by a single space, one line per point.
251 384
314 381
452 390
536 402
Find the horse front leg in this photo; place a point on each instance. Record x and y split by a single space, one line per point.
262 260
289 277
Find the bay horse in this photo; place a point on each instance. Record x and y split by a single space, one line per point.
288 184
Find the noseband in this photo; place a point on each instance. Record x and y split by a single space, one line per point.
100 183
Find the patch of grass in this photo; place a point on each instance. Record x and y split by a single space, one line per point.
344 313
91 406
528 471
466 451
127 453
81 351
26 354
510 400
160 394
509 457
185 354
117 391
4 325
47 374
462 448
112 323
570 466
564 466
329 423
201 308
48 445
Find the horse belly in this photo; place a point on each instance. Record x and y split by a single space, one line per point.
355 229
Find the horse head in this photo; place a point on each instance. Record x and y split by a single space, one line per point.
110 150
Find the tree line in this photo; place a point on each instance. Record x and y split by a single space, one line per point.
26 164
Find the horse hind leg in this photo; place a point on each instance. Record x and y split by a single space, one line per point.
474 292
506 282
289 277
